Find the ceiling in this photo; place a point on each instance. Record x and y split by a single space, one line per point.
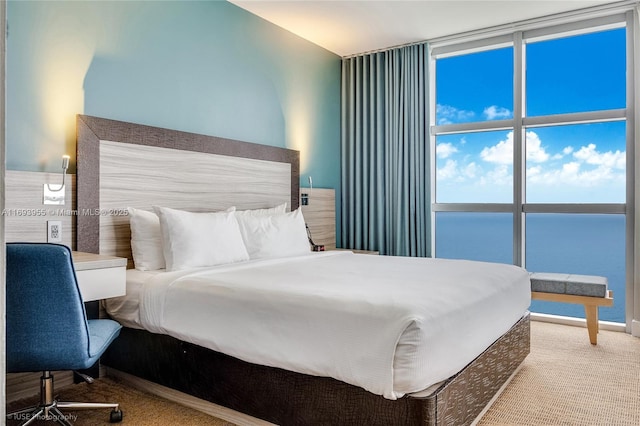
351 27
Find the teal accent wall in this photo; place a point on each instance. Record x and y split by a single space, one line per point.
199 66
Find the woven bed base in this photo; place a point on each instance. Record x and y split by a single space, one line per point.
288 398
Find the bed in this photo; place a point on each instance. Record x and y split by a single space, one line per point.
307 360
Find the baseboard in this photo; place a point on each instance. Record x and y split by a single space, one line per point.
576 322
206 407
25 385
635 328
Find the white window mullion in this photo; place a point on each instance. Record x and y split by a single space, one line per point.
473 207
477 126
632 307
519 156
432 145
576 118
566 29
575 208
472 46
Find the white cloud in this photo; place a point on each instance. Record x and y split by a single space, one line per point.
502 152
500 175
560 155
447 114
535 150
534 171
445 150
574 174
471 170
495 112
590 155
589 169
449 171
570 175
570 170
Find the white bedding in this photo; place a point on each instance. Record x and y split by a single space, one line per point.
126 309
391 325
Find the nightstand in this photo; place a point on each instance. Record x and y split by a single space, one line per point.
358 251
100 277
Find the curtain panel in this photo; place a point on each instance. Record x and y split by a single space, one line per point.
385 152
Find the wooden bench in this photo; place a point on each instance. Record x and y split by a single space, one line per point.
588 290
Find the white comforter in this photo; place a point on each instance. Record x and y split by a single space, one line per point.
343 315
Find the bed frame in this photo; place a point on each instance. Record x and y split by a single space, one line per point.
123 164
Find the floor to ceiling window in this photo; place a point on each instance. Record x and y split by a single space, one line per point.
530 140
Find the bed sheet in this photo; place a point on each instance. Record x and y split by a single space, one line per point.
126 309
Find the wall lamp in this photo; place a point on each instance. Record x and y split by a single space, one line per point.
53 195
304 197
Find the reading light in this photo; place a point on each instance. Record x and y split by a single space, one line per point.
56 196
304 197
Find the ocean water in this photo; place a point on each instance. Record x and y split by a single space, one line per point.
587 244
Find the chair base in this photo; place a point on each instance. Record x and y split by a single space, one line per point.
48 409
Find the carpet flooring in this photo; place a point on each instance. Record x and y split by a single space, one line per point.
567 381
139 408
564 381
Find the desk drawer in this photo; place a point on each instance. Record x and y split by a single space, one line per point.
96 284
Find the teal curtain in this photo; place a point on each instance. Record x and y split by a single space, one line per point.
385 152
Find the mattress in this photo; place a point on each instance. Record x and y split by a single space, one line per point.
392 325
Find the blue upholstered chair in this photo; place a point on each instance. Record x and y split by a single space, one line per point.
47 328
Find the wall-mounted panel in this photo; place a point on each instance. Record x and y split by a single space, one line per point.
25 214
320 215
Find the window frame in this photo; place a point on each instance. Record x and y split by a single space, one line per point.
592 20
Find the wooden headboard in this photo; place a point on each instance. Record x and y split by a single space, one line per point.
122 165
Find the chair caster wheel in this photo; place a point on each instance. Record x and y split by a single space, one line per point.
115 416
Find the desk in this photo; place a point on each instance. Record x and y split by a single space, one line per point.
100 277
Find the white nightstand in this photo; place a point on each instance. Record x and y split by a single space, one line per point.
100 277
358 251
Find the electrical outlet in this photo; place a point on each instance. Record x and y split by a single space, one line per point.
54 231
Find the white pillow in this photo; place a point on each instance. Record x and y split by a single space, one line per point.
262 212
191 240
146 243
278 235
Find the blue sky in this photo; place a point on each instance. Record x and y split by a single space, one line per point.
575 163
